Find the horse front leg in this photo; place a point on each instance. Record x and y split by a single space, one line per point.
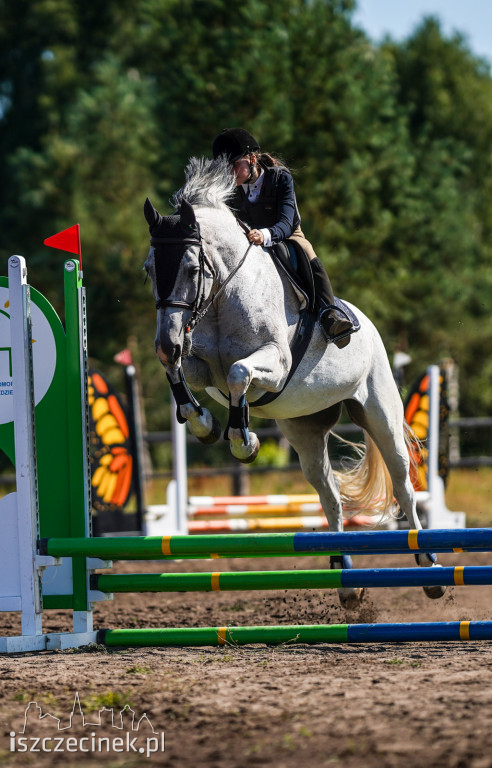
266 369
201 422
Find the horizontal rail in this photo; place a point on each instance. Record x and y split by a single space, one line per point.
309 523
462 422
268 501
262 432
312 579
470 462
471 422
290 635
356 542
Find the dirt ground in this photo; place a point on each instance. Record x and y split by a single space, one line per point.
401 705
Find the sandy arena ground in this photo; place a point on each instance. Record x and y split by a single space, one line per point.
402 705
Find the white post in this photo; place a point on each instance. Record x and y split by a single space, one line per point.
438 515
25 447
179 472
433 436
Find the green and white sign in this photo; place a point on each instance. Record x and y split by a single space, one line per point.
44 356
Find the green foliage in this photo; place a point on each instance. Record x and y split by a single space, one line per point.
391 146
272 454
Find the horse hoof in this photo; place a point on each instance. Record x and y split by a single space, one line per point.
214 435
350 599
434 592
248 458
426 559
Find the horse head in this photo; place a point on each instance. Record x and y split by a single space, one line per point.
180 275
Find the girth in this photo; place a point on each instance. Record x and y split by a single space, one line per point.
298 347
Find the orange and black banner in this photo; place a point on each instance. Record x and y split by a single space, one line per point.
110 452
417 416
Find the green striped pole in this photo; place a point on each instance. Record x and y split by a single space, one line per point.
291 635
308 579
215 582
157 547
194 636
263 544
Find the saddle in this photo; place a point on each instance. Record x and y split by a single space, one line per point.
291 257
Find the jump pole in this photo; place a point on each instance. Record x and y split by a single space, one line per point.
318 579
289 635
266 544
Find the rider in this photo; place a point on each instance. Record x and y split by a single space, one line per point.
265 199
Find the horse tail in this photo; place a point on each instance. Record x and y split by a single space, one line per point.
364 482
418 458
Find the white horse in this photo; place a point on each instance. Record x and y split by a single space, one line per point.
227 317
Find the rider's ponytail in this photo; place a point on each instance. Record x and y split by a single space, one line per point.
268 161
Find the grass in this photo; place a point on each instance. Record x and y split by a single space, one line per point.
470 491
108 700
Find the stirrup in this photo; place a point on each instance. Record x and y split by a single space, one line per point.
340 339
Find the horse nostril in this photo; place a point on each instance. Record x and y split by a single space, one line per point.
168 355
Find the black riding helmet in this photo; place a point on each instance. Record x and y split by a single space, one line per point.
234 143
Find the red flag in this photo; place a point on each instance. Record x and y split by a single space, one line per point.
68 240
124 357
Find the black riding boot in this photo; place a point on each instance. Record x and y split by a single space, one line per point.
331 320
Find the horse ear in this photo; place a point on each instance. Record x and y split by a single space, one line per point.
187 214
152 216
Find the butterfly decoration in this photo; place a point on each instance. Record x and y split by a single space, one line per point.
110 453
417 416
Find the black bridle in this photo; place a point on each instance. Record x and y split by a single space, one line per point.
195 306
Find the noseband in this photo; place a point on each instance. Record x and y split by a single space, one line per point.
197 313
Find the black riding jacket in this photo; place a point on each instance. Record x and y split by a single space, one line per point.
275 208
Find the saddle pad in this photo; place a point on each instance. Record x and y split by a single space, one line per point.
347 311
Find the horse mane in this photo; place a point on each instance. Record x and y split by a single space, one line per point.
208 183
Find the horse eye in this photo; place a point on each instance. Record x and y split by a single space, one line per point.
193 270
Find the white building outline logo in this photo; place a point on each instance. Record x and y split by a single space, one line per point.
85 723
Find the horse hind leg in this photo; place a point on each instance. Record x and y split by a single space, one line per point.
308 435
388 432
